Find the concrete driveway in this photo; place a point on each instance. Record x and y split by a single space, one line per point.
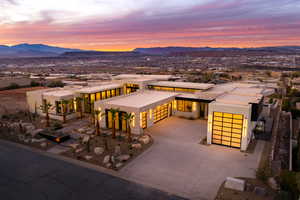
176 163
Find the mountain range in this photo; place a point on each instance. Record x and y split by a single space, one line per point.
173 50
33 50
41 50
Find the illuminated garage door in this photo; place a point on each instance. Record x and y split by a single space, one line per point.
227 129
161 112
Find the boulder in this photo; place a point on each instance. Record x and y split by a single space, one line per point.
118 165
106 159
90 132
118 150
33 140
81 130
235 184
27 140
78 150
98 150
74 145
272 183
35 132
260 191
21 137
123 158
136 146
29 128
44 144
87 157
108 165
85 139
145 139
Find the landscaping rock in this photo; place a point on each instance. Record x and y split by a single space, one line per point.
78 150
272 183
29 128
74 145
27 140
145 139
108 165
44 144
81 130
136 146
85 139
33 140
35 132
98 150
90 132
235 184
21 137
118 165
87 157
123 158
106 159
260 191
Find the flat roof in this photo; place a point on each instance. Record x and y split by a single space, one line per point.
190 85
99 88
59 93
238 99
141 99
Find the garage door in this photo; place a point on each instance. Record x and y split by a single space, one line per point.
227 129
161 112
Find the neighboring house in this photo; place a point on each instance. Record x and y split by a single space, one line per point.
231 109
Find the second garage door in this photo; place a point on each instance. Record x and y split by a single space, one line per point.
227 129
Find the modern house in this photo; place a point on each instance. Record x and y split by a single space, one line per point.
231 110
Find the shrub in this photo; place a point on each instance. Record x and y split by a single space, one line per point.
263 173
13 86
34 84
288 183
57 126
56 84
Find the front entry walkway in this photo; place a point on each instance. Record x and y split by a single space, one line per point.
178 164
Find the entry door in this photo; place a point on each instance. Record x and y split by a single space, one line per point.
227 129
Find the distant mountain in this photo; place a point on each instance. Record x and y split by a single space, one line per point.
174 50
33 50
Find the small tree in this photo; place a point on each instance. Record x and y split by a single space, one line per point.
45 108
114 112
79 106
129 118
98 114
64 104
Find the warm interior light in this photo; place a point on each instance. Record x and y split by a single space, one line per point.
245 130
133 120
150 113
194 106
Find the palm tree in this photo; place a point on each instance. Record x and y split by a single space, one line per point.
78 101
114 112
98 114
45 108
64 104
129 118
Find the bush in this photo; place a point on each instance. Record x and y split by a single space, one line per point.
271 100
57 126
13 86
263 173
34 84
56 84
289 183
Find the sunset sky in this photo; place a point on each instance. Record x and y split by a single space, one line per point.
128 24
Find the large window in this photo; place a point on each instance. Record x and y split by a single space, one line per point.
176 89
227 129
143 116
184 105
58 107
